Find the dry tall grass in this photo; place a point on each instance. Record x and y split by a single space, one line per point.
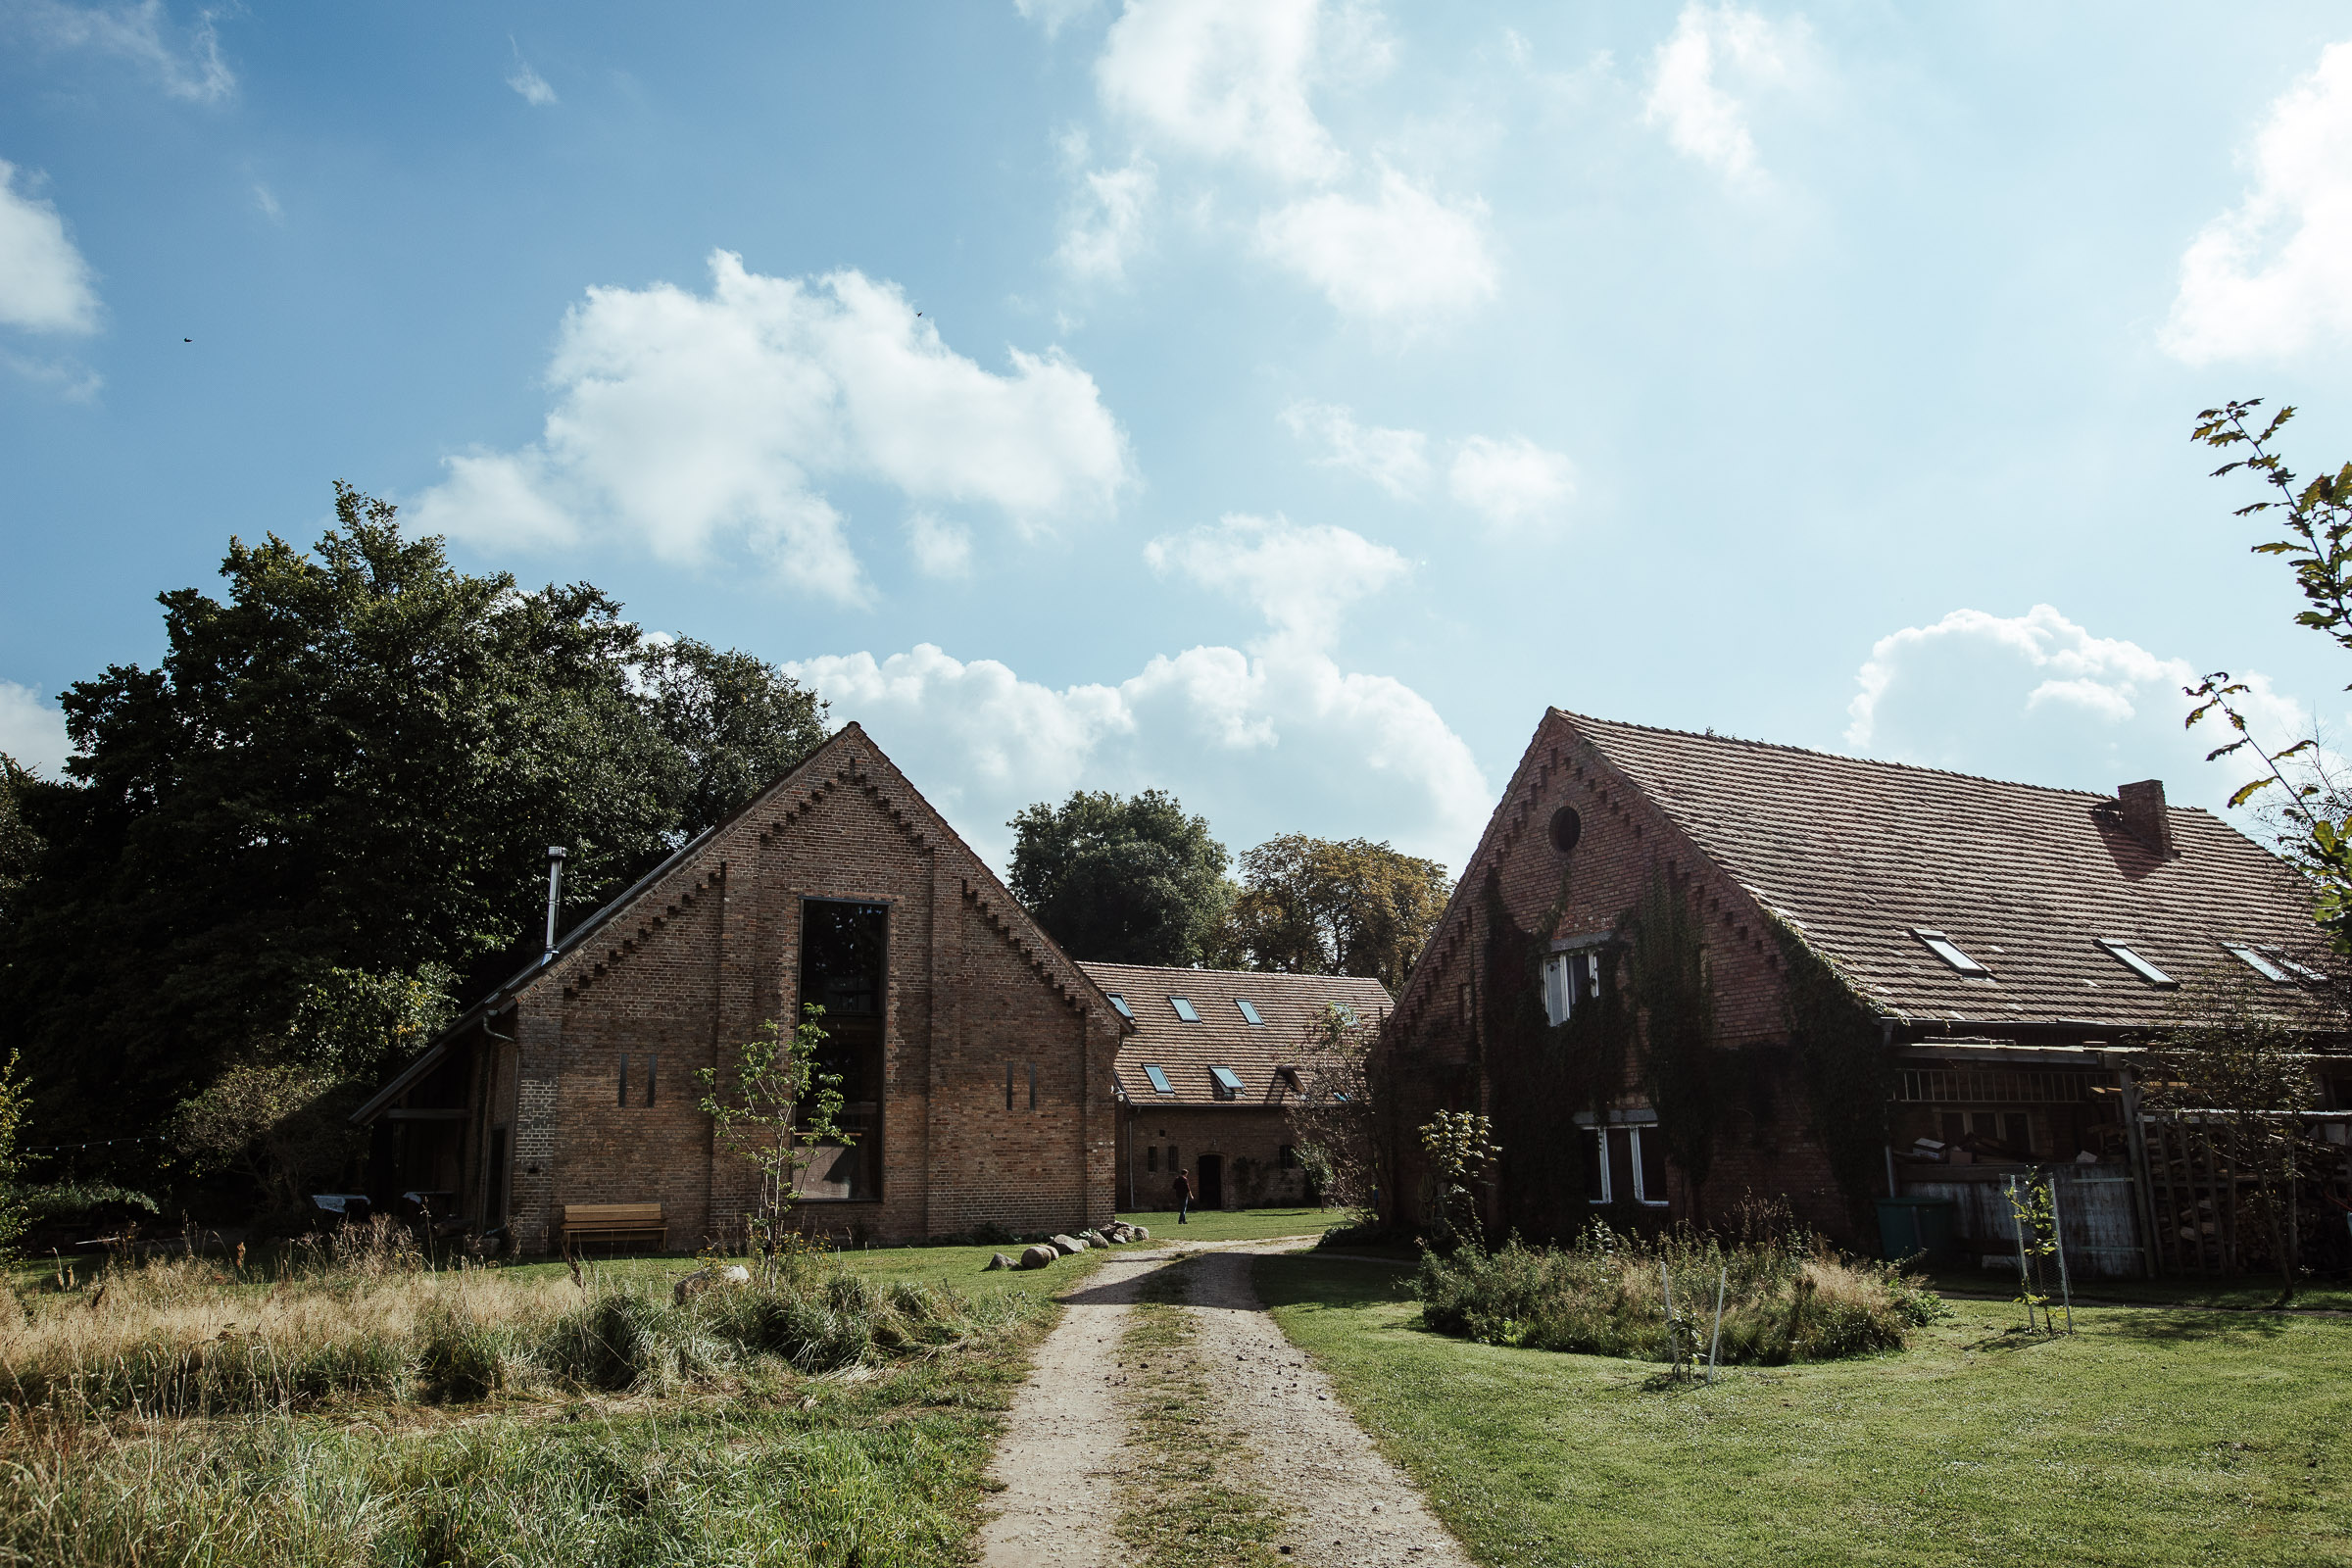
196 1336
1785 1297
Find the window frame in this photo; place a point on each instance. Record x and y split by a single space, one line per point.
2261 963
870 1137
1569 975
1184 1009
2139 963
1601 1132
1950 952
1157 1077
1229 1084
1249 1012
1120 1001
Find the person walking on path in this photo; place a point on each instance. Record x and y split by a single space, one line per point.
1184 1198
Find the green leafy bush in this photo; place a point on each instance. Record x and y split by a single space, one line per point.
1785 1299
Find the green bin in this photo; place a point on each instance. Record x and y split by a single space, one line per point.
1911 1226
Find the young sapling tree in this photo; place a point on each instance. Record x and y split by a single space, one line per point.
776 1109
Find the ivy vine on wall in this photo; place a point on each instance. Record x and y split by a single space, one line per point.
1842 1060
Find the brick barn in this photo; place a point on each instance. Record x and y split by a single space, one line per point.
978 1060
1208 1073
1910 982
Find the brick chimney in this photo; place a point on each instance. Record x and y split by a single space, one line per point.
2144 815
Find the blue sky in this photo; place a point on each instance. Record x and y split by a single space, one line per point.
1303 395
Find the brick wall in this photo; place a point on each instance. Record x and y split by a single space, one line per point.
1249 1141
701 959
1437 1044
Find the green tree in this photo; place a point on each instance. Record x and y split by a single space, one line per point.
1124 880
19 845
2317 521
778 1107
348 766
1336 1118
2229 1056
1313 905
15 1216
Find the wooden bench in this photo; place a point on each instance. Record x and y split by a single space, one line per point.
602 1221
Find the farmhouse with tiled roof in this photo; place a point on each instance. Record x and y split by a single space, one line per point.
1914 983
1208 1073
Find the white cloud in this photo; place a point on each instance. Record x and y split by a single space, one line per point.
2271 278
1052 15
1687 97
2037 698
1223 80
1106 227
531 86
1397 461
44 283
189 67
1402 254
1299 578
265 202
1511 483
31 730
1275 738
941 548
688 424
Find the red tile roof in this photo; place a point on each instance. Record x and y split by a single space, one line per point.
1289 1005
2025 880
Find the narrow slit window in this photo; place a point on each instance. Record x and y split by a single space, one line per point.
1033 1086
652 1069
1229 1082
1948 951
2255 960
1248 1012
625 1078
1152 1159
2122 955
1120 1003
1184 1009
1159 1080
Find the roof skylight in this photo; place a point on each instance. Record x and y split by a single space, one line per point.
1248 1012
1346 1013
1948 951
1120 1003
2136 963
1159 1080
1184 1009
2252 959
1229 1082
2301 971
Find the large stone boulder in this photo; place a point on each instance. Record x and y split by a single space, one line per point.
1037 1256
1000 1260
1093 1238
1066 1244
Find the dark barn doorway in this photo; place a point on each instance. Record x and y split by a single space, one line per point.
1213 1181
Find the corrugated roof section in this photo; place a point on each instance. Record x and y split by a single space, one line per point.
1256 1053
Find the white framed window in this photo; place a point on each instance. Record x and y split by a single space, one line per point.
1625 1164
1948 951
2122 953
1569 978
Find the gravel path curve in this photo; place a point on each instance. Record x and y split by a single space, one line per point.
1065 1454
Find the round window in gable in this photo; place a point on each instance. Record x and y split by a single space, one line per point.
1566 828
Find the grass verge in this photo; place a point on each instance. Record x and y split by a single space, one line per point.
1192 1511
1237 1224
2148 1438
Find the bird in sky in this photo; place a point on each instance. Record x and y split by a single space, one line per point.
187 340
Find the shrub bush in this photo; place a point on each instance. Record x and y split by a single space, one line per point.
1785 1298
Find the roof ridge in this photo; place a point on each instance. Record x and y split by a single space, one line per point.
1848 758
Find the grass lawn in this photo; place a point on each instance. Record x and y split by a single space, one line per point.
1238 1224
2245 1295
2150 1436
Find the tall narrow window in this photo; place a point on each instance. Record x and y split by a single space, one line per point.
653 1075
1033 1086
1625 1164
843 965
1008 1086
625 1079
1152 1159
